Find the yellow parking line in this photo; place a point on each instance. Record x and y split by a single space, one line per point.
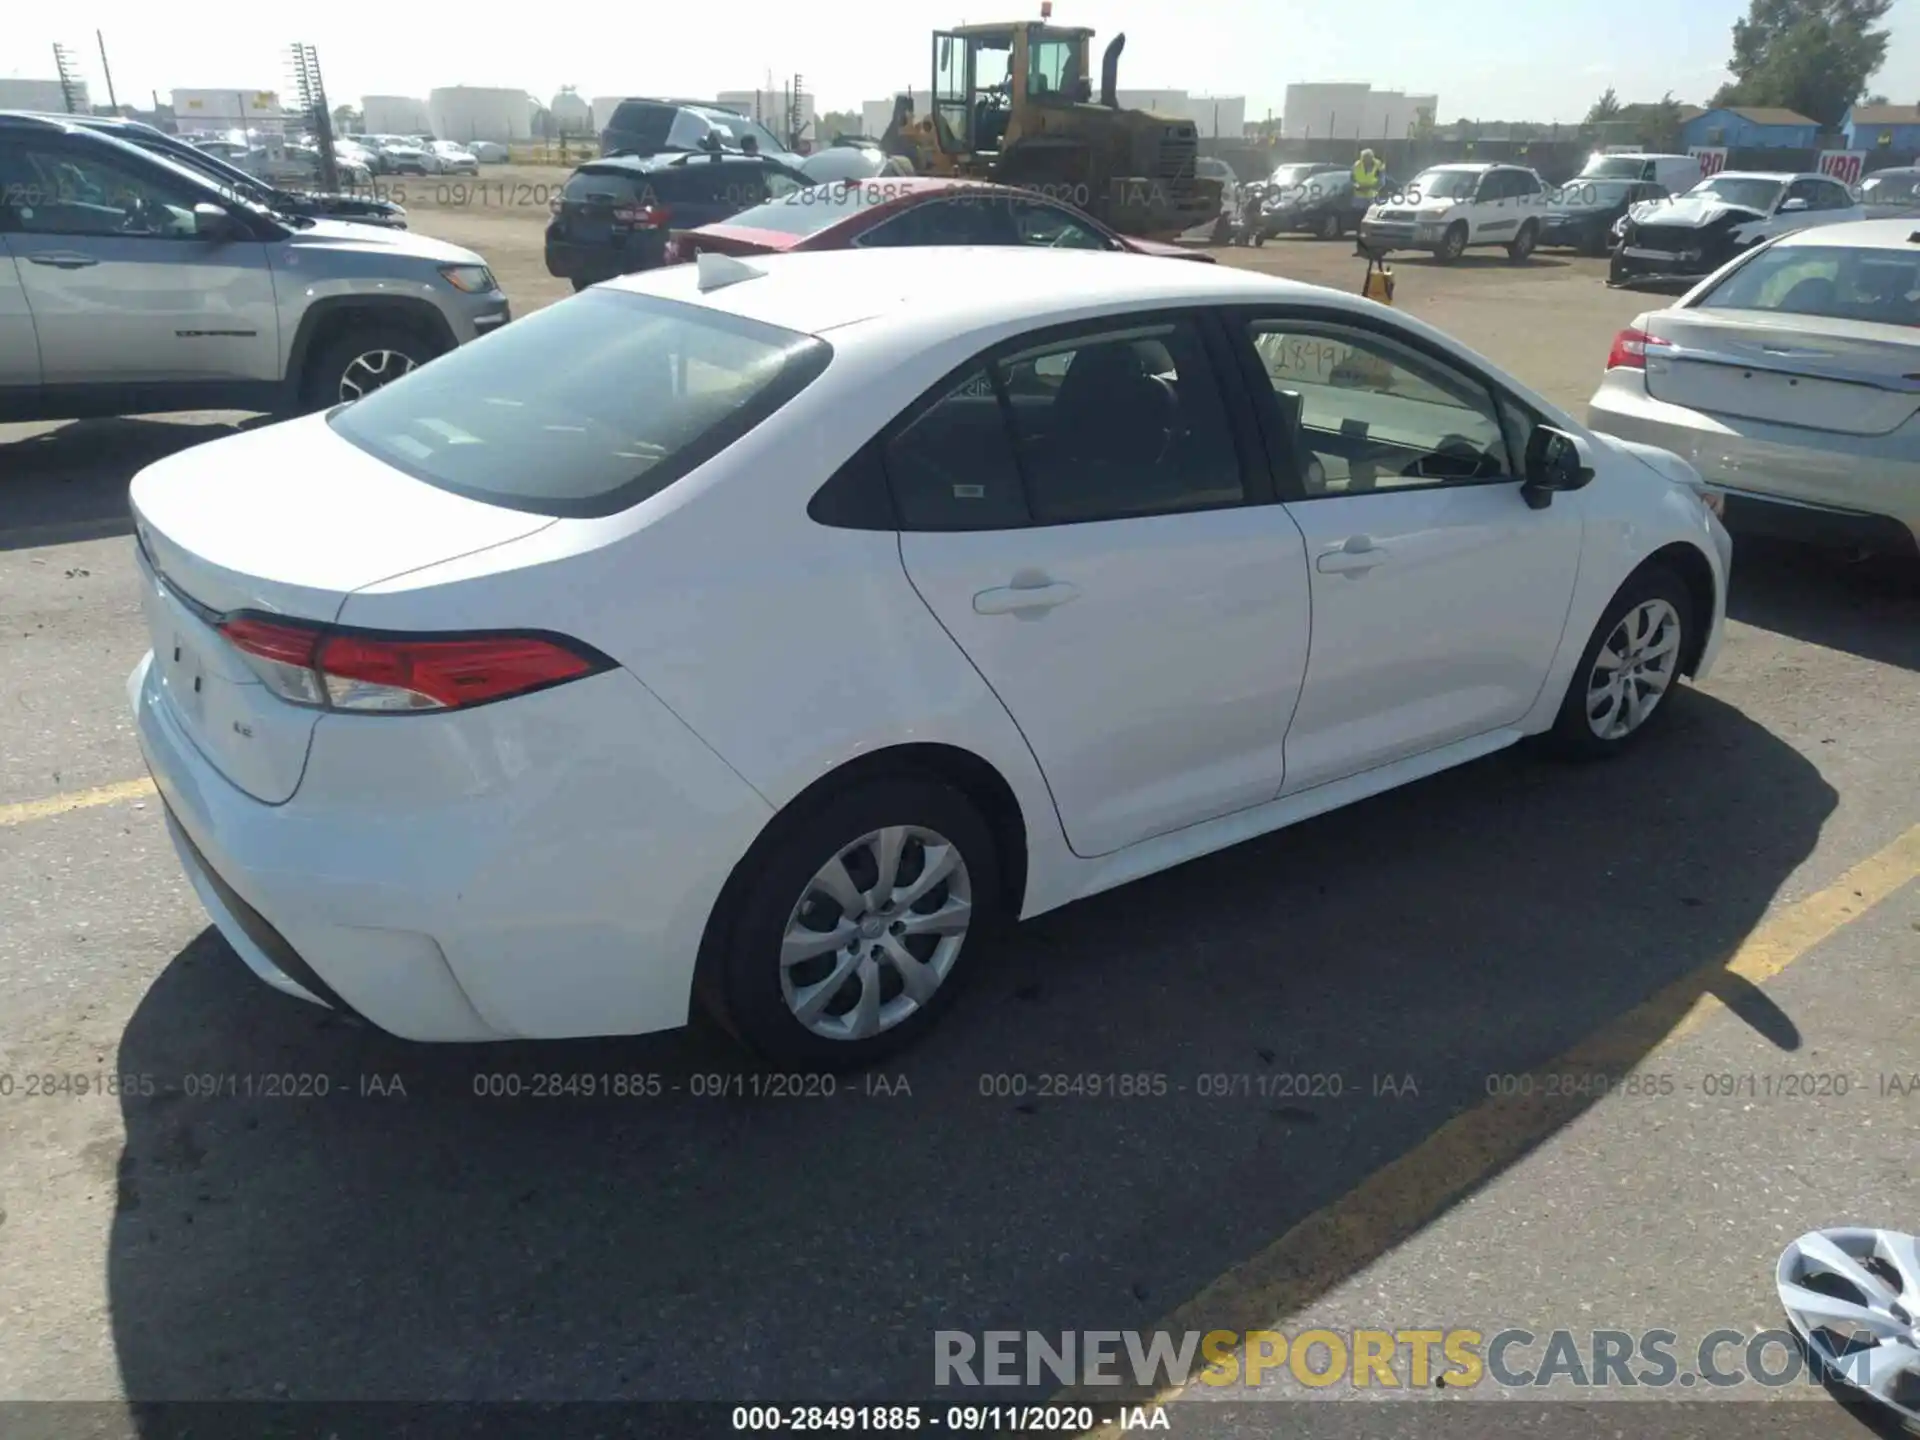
1395 1201
25 810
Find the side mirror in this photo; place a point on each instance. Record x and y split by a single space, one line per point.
211 222
1554 464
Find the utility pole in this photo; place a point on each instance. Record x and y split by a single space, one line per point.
70 82
107 70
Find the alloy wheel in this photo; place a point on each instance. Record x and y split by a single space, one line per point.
370 370
876 932
1633 669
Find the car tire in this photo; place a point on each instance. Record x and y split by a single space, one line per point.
1453 244
1330 227
340 361
1522 247
758 998
1653 610
579 284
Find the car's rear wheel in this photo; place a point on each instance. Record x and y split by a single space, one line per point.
1453 244
857 924
359 361
1623 683
1523 243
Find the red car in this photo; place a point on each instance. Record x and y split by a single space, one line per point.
909 210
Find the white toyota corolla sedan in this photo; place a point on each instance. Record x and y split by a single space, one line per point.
764 633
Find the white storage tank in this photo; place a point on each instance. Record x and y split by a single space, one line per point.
477 112
394 115
572 115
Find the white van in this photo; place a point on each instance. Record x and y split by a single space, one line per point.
1678 173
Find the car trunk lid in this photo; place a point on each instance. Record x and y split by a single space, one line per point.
599 206
230 526
732 240
1841 376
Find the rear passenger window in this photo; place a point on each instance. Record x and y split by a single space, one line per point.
1122 424
953 467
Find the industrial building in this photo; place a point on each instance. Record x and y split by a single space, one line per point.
1354 112
478 112
394 115
197 111
46 95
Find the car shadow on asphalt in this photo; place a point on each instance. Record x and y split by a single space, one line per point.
722 1239
69 484
1866 607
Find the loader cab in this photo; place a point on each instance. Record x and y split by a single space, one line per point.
986 76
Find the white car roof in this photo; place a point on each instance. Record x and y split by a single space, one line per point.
1469 167
912 286
1770 175
1862 234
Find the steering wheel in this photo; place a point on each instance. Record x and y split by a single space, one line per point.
136 216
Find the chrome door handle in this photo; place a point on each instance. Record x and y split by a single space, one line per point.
1355 557
1023 599
63 259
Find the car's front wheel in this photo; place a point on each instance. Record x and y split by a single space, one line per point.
360 361
1631 665
1453 244
1330 226
855 925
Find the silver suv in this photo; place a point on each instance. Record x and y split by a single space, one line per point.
130 285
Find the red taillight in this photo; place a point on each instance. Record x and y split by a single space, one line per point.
284 644
309 665
1630 348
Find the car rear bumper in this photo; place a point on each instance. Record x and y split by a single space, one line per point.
1777 480
480 876
636 250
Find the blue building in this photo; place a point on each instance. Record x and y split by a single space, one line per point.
1751 127
1883 127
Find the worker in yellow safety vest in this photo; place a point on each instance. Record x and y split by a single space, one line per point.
1367 171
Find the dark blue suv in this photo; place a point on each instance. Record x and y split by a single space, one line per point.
614 214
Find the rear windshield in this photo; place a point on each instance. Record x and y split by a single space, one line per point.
586 407
809 211
1889 189
608 187
1831 281
643 126
1613 167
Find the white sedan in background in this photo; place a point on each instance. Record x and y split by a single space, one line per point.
763 634
454 159
1791 381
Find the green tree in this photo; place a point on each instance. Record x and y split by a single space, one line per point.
345 119
1606 108
836 123
1659 125
1813 56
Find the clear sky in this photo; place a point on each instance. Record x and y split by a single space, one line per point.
1543 60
